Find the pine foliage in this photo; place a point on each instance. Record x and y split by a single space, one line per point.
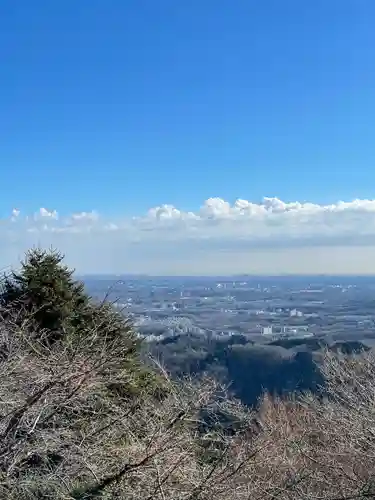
44 290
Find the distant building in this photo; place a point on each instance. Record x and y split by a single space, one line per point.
267 330
295 313
299 331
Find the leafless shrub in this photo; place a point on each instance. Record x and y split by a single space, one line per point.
324 447
68 431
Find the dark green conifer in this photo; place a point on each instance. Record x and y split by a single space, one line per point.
44 289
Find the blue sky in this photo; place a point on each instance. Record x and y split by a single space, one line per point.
119 106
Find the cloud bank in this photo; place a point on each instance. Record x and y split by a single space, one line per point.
271 236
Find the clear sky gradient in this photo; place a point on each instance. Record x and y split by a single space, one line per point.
119 106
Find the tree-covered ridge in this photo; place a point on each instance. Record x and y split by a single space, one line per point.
248 369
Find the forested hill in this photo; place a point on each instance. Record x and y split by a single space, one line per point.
279 367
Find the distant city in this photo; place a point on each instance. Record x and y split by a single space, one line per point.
259 308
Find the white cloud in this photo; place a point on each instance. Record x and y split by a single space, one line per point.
44 213
85 216
233 237
15 214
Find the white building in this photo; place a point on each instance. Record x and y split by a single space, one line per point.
267 330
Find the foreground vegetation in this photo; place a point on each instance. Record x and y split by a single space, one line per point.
83 417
